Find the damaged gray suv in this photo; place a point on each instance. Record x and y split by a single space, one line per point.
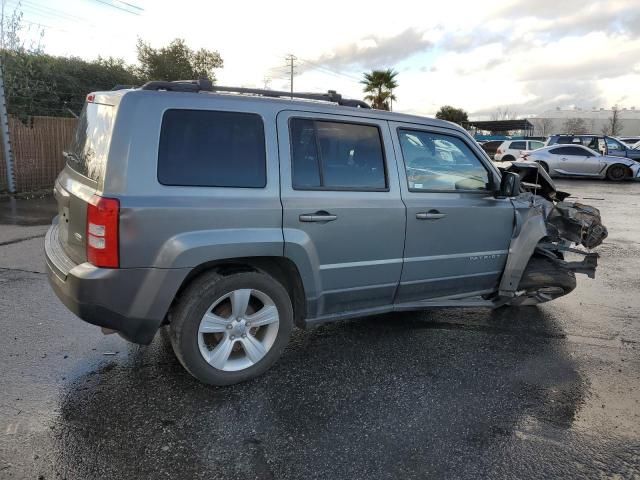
232 215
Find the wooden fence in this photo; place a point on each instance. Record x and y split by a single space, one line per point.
37 146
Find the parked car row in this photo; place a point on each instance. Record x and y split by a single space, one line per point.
597 156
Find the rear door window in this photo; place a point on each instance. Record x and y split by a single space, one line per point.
212 149
518 146
336 155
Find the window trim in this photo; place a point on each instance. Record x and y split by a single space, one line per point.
320 164
435 190
264 144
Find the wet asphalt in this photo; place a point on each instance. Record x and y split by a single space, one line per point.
536 392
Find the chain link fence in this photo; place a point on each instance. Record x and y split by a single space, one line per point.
37 145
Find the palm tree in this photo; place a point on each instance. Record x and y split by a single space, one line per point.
379 85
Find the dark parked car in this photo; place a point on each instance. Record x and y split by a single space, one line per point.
600 143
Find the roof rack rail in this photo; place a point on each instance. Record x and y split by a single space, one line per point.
205 85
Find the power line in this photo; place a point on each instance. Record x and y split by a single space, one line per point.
37 10
46 11
132 5
330 71
108 4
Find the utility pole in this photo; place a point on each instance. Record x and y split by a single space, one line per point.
4 130
291 59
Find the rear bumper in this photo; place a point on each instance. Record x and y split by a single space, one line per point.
133 301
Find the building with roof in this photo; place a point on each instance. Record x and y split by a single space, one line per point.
594 120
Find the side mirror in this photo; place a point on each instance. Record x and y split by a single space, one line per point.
509 185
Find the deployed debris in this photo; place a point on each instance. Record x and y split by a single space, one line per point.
546 228
578 223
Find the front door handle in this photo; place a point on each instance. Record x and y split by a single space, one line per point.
430 215
320 216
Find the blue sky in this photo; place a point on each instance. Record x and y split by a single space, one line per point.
527 56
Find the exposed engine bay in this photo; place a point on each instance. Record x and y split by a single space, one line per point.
547 228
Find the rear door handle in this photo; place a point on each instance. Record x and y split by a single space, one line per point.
430 215
320 216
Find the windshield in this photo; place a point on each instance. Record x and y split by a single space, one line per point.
87 154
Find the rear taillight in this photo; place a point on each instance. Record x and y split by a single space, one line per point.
499 150
103 215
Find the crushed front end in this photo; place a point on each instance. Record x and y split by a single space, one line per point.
546 229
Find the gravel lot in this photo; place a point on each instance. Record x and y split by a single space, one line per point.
535 392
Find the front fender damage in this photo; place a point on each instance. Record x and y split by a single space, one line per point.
546 228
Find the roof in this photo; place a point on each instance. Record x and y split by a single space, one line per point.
501 125
305 101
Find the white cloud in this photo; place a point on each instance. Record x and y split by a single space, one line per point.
475 55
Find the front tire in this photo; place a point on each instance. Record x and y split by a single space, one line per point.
228 329
544 280
616 173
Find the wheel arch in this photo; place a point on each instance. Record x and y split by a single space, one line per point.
530 228
627 169
281 269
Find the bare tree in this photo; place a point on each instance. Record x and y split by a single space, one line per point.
575 126
613 126
543 126
504 113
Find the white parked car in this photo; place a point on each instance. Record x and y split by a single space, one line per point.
512 149
579 161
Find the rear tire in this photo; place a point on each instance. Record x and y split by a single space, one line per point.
507 158
616 172
544 280
205 322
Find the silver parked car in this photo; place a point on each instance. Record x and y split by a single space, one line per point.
230 216
579 161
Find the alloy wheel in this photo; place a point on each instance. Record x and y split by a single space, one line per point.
238 329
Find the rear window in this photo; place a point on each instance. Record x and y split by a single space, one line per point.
575 151
87 154
205 148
